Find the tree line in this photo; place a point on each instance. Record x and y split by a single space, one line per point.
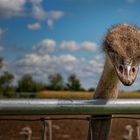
26 84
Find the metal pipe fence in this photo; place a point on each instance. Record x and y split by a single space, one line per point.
68 107
79 109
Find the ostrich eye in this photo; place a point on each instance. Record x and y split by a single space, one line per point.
109 49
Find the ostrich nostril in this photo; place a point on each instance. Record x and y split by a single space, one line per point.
133 69
121 68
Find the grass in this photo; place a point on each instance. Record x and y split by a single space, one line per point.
130 94
81 94
65 94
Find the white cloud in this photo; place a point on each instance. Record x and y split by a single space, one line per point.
68 58
34 26
39 13
54 15
69 45
34 63
74 46
10 8
45 46
89 46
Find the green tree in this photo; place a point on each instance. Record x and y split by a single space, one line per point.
27 84
73 83
6 87
91 89
56 82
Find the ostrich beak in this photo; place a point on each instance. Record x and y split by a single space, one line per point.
127 73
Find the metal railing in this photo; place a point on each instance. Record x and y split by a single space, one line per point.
68 106
71 108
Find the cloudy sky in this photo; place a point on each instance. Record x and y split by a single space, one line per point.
42 37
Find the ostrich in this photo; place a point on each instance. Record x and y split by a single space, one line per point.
122 48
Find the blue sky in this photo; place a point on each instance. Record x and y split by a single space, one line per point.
41 37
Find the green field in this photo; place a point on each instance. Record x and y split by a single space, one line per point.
82 95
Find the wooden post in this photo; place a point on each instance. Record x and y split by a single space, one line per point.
102 124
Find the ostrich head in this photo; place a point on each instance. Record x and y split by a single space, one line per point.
122 45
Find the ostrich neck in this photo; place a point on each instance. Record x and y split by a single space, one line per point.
108 84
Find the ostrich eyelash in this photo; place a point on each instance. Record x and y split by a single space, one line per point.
107 48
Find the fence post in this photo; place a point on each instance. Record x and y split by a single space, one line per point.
49 124
44 130
47 127
100 123
138 130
